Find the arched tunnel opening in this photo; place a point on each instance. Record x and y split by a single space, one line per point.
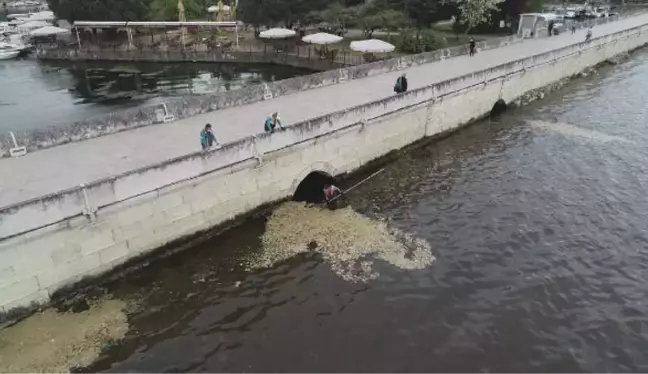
311 188
499 108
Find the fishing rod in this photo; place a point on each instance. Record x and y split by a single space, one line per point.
355 185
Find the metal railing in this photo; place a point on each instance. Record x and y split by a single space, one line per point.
340 57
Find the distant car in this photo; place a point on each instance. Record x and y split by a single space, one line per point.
570 14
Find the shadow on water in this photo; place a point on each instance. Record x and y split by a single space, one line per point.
114 83
66 92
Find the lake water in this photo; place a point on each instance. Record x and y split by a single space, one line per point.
537 221
37 94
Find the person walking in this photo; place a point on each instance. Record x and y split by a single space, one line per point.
588 36
207 138
573 28
472 46
271 123
401 84
550 28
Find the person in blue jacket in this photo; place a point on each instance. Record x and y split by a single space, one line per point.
207 138
271 122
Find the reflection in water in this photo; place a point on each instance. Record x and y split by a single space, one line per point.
66 92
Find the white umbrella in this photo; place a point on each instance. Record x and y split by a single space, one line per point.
46 15
48 30
277 33
322 38
31 25
214 8
371 46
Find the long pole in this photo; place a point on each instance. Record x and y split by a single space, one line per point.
356 185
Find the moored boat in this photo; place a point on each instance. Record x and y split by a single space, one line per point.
8 51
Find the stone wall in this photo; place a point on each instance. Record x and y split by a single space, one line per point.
192 105
52 242
269 57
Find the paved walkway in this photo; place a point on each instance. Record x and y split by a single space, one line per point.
66 166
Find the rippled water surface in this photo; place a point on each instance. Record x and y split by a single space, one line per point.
538 225
36 95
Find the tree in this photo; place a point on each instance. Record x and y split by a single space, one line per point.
167 10
273 12
477 12
262 12
99 10
422 12
393 20
297 10
338 17
389 19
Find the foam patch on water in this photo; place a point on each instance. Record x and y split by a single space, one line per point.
50 341
347 240
571 130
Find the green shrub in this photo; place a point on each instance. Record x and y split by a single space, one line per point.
428 40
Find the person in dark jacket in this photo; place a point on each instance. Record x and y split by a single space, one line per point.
207 138
472 46
550 28
401 84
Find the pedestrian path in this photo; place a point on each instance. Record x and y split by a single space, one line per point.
54 169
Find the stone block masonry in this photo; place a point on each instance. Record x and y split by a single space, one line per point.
50 243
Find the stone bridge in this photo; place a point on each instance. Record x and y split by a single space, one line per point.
84 208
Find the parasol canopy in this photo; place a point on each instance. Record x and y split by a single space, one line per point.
322 38
214 9
277 33
46 15
48 30
31 25
372 46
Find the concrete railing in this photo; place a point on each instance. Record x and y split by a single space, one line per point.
101 195
189 106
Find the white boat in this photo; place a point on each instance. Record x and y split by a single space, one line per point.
18 42
8 55
8 51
